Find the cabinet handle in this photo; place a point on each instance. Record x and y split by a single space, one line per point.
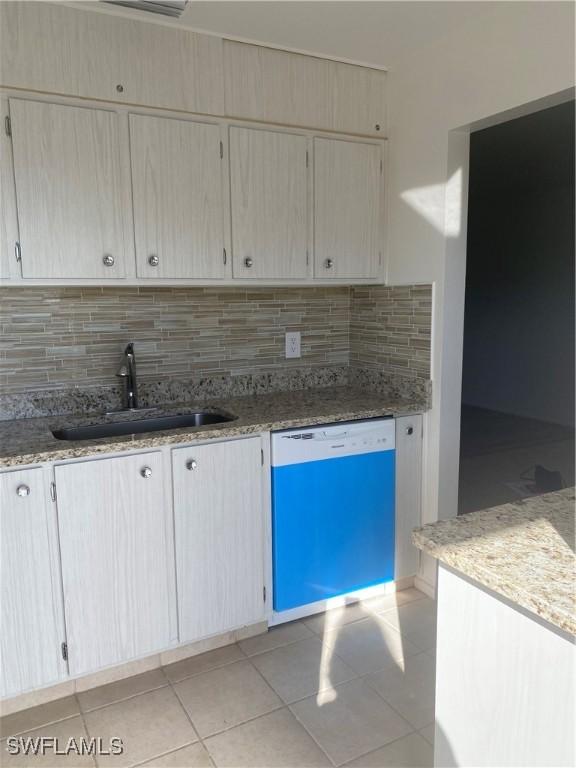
248 262
191 464
328 263
146 472
108 260
153 260
23 490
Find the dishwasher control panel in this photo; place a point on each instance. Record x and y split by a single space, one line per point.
331 440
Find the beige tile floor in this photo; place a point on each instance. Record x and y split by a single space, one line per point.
352 687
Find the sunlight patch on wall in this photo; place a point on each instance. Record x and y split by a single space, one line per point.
439 204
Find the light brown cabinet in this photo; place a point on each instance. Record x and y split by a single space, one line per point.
69 191
117 559
30 592
270 204
179 191
53 48
293 89
347 208
219 535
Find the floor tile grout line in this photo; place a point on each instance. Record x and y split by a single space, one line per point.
163 754
340 765
85 724
195 674
360 604
314 739
124 698
40 725
282 645
189 718
283 706
387 702
388 744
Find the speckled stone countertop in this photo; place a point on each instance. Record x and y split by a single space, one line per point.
523 551
30 441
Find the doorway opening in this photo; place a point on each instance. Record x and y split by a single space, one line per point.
517 418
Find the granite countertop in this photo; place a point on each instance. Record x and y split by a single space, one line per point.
523 551
30 441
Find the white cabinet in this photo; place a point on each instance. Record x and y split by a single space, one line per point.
30 591
68 190
219 536
269 200
53 48
293 89
117 559
347 208
408 493
178 193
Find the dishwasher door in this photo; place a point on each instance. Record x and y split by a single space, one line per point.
333 494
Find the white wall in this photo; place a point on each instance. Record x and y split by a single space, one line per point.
522 53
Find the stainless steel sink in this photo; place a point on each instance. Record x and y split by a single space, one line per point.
136 426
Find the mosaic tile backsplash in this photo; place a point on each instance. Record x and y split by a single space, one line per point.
56 338
390 328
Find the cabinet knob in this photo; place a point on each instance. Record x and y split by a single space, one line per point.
120 88
23 490
146 472
248 262
191 464
409 430
153 260
108 260
328 263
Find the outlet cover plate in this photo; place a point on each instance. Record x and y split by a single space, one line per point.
293 344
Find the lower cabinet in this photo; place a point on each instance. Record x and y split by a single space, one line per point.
117 559
30 594
219 533
408 493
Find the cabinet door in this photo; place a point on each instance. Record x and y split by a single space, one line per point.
408 493
115 545
293 89
54 48
178 193
68 190
276 86
31 597
347 208
269 204
219 536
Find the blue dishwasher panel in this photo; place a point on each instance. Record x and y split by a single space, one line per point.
333 527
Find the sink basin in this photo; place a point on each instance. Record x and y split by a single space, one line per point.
136 426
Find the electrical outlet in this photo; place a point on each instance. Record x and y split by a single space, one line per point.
293 344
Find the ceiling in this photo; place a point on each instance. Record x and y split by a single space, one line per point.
378 33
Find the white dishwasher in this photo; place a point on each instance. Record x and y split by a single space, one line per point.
333 504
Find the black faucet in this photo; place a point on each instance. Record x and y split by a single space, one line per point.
127 372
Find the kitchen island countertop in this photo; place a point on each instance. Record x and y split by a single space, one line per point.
523 551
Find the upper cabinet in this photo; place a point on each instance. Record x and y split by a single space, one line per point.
178 193
68 191
293 89
269 194
347 208
57 49
147 152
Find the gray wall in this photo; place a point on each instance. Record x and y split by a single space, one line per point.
519 317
